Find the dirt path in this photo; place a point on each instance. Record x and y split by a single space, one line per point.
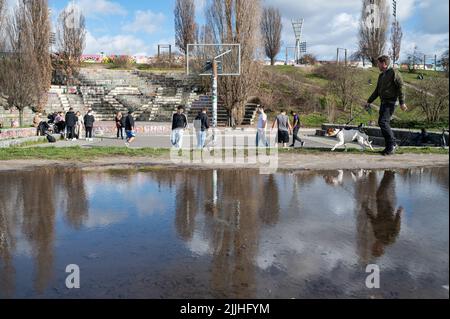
284 161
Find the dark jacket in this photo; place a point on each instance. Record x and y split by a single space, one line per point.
389 87
179 121
129 123
120 122
89 120
202 122
71 119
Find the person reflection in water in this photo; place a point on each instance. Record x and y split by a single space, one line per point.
386 221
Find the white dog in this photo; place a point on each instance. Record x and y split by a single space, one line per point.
348 136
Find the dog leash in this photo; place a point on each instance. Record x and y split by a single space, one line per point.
365 109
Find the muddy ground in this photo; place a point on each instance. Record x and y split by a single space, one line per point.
284 161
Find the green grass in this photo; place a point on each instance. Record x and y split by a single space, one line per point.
313 120
411 78
31 143
86 154
76 153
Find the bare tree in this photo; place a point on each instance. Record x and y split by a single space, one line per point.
237 21
2 23
414 58
2 50
444 62
344 84
26 68
38 13
373 29
308 59
396 41
186 30
71 38
432 97
271 27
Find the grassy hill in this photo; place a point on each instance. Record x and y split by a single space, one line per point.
305 89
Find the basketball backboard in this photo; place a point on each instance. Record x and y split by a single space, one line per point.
200 58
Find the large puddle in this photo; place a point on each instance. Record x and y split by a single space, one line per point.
224 234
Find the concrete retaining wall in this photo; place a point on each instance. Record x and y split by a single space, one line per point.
7 134
375 135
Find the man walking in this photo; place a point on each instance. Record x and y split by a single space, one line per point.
296 129
130 128
201 125
389 89
71 121
261 127
284 128
179 124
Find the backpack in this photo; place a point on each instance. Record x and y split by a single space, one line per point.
51 139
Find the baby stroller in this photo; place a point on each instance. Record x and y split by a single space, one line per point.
43 128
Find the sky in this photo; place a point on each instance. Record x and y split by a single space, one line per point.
135 27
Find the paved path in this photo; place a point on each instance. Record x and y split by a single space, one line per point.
229 139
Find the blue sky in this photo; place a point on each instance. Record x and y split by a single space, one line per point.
137 26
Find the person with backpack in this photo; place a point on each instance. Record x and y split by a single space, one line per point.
179 124
201 125
89 121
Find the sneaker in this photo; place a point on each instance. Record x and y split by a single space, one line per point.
392 151
303 144
127 144
292 145
74 139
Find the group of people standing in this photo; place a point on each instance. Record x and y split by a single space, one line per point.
71 124
75 124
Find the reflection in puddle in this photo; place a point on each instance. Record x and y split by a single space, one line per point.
224 234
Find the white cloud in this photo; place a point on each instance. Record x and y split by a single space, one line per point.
117 44
146 21
92 8
332 24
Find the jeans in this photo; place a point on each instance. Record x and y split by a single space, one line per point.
120 132
387 109
261 136
177 138
88 132
295 136
70 132
201 139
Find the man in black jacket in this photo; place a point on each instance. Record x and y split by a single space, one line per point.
89 121
179 124
130 128
201 125
71 120
389 89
